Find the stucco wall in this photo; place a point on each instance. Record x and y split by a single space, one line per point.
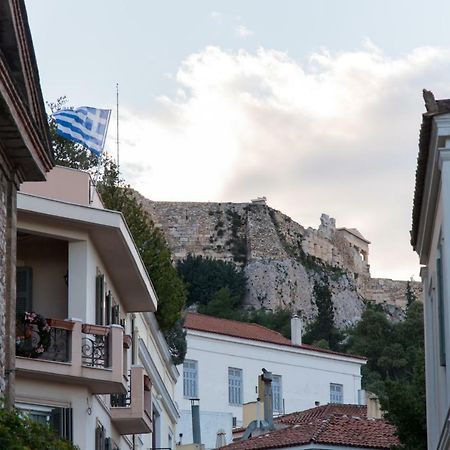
306 376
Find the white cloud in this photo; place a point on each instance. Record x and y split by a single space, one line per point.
336 135
243 32
216 16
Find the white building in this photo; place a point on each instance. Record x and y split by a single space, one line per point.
430 237
106 381
224 359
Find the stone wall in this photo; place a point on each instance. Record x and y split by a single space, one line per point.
282 259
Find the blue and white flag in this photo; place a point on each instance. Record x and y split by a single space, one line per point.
85 125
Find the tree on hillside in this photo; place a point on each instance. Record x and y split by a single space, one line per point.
323 329
153 250
206 276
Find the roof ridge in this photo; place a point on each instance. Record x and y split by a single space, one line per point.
243 323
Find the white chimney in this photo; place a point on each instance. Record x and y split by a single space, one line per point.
296 330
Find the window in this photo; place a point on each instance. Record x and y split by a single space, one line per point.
190 379
277 394
336 393
441 311
60 419
234 386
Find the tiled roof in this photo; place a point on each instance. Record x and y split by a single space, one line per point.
339 425
324 412
244 330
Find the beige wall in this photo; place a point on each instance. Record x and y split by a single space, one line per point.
48 259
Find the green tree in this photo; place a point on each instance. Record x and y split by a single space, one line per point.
409 294
65 152
223 304
395 369
21 433
206 276
323 330
151 245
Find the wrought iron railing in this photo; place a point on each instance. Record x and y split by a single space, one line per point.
57 350
122 400
95 347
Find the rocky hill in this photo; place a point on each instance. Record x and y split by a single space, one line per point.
281 258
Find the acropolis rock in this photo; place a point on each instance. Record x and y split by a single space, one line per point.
281 258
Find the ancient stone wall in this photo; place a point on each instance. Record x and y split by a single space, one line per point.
282 259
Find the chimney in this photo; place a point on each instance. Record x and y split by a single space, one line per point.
296 330
195 409
266 390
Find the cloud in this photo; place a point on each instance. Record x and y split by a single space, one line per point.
337 134
243 32
216 16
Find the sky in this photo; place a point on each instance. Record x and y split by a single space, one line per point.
315 105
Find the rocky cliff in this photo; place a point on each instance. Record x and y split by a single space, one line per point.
281 258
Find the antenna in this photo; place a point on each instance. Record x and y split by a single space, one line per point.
117 127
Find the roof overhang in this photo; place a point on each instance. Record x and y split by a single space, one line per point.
110 235
435 133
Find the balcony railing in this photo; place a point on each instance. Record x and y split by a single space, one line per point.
77 353
131 413
95 346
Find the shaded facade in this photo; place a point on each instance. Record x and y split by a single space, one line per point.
25 155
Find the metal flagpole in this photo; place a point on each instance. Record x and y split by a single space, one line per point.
117 127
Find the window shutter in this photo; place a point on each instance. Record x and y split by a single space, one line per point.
100 299
23 290
109 308
116 314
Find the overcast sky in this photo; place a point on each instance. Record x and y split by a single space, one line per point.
315 105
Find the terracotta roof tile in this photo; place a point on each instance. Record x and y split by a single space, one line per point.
324 412
328 424
244 330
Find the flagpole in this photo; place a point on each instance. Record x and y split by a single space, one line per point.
117 127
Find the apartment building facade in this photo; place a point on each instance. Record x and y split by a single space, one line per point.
98 369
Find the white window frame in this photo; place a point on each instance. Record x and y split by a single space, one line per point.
190 379
336 393
235 386
277 393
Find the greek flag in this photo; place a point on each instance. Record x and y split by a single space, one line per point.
85 125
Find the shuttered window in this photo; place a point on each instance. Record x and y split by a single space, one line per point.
100 299
24 286
277 394
336 393
234 386
190 379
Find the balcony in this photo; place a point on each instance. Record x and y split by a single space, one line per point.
78 353
131 413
